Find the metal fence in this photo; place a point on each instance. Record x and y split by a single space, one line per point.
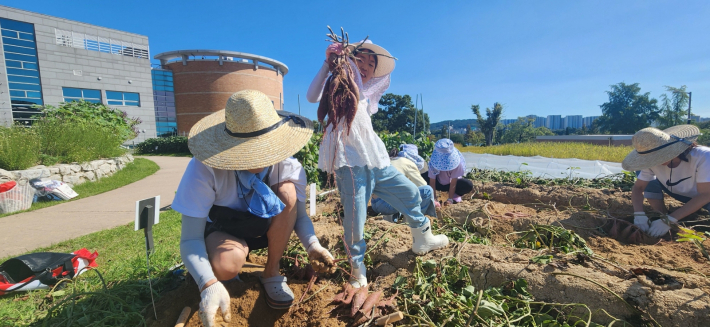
100 44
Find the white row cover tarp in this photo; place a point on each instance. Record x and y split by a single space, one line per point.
544 167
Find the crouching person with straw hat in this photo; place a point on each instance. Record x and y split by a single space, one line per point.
242 192
670 162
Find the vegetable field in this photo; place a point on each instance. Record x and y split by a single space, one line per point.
555 150
542 255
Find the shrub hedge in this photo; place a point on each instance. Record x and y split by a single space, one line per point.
163 145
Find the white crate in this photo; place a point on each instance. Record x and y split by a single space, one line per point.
18 198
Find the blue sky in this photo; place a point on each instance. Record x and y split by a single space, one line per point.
535 57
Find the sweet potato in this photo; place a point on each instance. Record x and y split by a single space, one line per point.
358 300
340 297
370 302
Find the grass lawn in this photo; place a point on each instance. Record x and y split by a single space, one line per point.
121 263
584 151
140 168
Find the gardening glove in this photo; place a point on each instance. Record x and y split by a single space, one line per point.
318 253
335 48
213 297
661 226
641 221
437 204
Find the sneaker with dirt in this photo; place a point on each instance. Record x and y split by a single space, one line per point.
425 241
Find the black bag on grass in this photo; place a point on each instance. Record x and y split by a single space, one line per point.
40 266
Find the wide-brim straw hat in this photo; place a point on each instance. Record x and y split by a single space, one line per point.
248 134
653 146
385 64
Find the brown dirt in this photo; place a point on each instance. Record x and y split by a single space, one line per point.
498 214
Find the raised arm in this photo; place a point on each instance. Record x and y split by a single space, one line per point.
316 88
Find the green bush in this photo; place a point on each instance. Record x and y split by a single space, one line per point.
163 145
93 114
73 141
422 141
308 157
19 147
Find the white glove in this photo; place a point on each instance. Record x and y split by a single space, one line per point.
641 221
213 297
316 251
659 226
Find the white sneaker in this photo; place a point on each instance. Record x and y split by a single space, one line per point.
425 241
359 279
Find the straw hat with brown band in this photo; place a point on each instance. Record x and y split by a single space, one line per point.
654 147
248 134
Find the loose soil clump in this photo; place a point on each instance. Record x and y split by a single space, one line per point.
658 279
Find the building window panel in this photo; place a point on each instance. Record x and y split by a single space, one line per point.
74 94
21 57
12 63
19 86
123 98
18 42
22 72
20 50
23 79
29 65
17 93
10 33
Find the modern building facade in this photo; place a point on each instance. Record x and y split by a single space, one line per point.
573 121
205 79
588 121
164 100
554 122
46 60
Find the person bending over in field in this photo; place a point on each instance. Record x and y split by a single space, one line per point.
243 192
447 168
670 162
407 167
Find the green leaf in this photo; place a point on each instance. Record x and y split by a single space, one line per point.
429 264
469 291
542 259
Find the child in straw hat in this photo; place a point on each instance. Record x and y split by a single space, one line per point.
358 159
242 192
670 162
447 167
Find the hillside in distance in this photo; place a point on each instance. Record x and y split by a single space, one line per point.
458 123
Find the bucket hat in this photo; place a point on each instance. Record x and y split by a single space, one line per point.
445 156
385 64
653 147
248 134
411 152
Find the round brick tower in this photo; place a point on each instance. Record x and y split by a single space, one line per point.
205 79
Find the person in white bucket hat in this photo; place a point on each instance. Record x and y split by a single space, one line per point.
671 162
242 191
447 168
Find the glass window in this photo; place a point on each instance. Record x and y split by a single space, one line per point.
23 72
32 94
23 79
16 49
73 94
17 93
26 36
15 56
113 95
9 33
123 98
18 86
11 63
28 65
17 26
22 43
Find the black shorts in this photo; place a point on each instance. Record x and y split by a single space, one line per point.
243 225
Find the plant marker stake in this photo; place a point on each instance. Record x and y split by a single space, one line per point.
182 319
313 200
147 215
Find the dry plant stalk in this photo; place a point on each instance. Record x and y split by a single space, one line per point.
340 93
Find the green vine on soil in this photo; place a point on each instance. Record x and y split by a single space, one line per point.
523 179
442 293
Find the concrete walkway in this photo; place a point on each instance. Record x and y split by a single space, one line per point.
30 230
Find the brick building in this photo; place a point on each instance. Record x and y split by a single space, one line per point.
203 80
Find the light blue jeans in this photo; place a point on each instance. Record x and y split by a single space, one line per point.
425 192
357 184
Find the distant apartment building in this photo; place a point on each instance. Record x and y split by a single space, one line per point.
573 121
589 120
554 122
46 60
538 121
505 122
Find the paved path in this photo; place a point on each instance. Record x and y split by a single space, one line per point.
30 230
